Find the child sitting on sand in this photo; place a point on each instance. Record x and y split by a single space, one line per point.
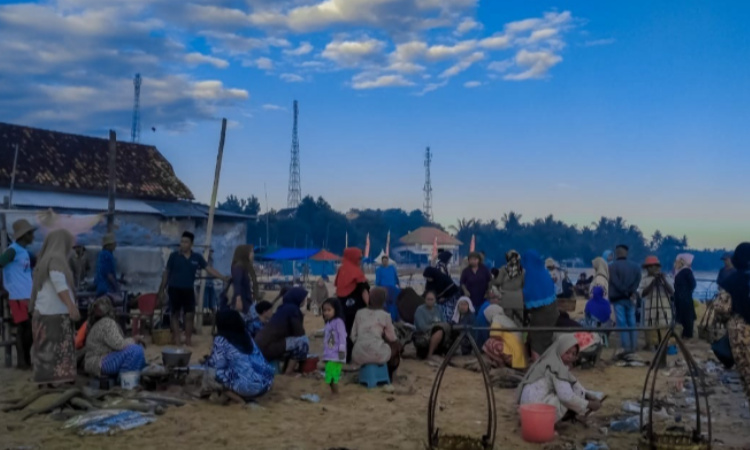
260 315
334 342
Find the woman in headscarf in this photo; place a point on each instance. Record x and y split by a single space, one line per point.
108 352
475 279
235 361
737 285
656 291
601 276
510 281
549 381
598 313
608 256
54 311
445 290
684 286
283 337
319 295
444 258
374 337
503 348
239 292
352 290
463 314
540 301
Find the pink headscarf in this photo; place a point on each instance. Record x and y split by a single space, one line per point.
687 261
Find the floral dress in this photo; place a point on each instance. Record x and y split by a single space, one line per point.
248 375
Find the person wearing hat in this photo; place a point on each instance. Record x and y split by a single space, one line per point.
17 282
624 280
728 268
657 291
106 273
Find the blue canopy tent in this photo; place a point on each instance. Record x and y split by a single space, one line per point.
293 261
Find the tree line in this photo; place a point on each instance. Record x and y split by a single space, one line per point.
315 224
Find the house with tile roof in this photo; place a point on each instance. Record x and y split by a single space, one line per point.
68 174
416 247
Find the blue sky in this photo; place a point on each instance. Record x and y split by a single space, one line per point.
575 108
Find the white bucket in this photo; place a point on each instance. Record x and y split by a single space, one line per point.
130 380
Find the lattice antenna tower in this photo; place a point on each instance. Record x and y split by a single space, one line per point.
295 189
135 130
427 185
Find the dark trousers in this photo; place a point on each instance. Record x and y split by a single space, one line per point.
24 340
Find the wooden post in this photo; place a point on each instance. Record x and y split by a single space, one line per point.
210 228
13 179
112 180
6 308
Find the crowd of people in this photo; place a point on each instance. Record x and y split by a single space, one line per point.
363 324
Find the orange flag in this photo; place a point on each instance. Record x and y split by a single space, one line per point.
367 246
473 244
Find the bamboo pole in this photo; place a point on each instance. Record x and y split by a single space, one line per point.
6 308
13 178
210 227
112 181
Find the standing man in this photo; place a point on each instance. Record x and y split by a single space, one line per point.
16 264
106 273
386 275
727 270
179 281
624 280
79 265
475 280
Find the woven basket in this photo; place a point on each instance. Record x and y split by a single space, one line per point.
673 440
161 337
453 442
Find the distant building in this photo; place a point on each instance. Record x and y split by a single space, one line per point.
416 247
69 174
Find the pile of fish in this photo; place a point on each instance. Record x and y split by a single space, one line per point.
103 411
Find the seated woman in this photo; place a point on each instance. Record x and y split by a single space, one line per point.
463 314
374 338
589 344
550 382
283 337
445 290
108 352
236 363
432 333
503 348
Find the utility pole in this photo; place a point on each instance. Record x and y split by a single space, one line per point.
112 181
427 185
294 197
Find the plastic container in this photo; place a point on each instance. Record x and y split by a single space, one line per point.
130 380
538 423
310 365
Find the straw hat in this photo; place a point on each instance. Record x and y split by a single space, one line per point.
109 239
21 228
651 261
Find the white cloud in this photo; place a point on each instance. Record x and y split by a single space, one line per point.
235 44
382 81
262 63
466 25
291 78
271 107
431 87
196 58
353 53
303 49
462 65
312 64
405 67
598 42
544 33
472 84
537 64
496 42
441 52
501 66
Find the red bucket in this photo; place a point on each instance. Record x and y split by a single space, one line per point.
538 422
310 365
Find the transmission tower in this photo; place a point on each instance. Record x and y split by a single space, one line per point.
135 131
427 185
295 189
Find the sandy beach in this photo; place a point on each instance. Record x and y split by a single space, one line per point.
365 419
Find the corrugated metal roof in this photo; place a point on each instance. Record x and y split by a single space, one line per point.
55 200
197 210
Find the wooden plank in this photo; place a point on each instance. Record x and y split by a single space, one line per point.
210 227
